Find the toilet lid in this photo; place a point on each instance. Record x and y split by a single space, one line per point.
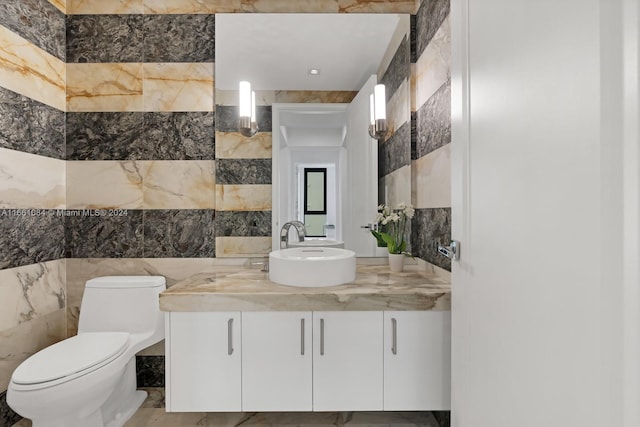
71 356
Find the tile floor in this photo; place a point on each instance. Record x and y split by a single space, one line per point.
152 414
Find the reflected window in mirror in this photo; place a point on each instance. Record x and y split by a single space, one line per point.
315 201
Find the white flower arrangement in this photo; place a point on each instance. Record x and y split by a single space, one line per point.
391 227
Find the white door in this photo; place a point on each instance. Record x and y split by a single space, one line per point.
347 361
362 174
276 361
417 360
203 362
543 333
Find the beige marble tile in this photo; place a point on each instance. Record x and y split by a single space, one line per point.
31 291
191 6
178 87
285 6
395 187
104 184
242 246
20 342
253 197
314 96
104 87
157 417
431 179
31 181
178 184
233 145
30 71
433 68
377 6
60 4
97 7
399 108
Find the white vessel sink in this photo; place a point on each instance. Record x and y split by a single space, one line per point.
312 267
317 243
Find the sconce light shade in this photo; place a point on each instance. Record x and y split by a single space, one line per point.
247 124
378 113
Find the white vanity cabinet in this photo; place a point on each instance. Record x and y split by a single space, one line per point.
308 361
276 361
203 357
347 361
417 360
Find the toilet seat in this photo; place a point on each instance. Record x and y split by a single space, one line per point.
69 359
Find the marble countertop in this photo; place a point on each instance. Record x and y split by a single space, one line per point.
375 288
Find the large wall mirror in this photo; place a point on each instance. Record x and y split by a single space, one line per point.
316 71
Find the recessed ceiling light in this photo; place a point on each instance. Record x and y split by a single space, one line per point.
313 71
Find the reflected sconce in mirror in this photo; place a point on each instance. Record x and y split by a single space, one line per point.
378 113
247 124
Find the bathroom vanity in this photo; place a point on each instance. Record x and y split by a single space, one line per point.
236 341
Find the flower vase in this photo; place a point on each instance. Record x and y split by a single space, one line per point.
396 262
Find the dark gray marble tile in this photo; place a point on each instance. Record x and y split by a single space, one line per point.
7 416
414 135
243 223
90 236
443 418
30 236
413 36
179 136
434 121
29 126
104 38
430 16
141 136
395 152
243 171
105 136
429 229
38 21
179 233
227 118
179 38
399 69
150 371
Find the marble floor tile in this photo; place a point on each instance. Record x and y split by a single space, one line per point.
152 414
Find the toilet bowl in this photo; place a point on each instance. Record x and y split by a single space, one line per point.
89 380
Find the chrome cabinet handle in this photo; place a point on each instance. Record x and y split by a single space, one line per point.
394 335
321 337
302 337
230 337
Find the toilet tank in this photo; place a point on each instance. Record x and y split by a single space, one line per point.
123 304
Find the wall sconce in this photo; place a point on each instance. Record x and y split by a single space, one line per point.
247 124
378 113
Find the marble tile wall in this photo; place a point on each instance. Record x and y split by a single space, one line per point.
32 183
394 153
140 132
431 136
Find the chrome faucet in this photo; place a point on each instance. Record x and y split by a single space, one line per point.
284 233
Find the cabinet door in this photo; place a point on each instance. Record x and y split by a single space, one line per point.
276 361
417 360
347 361
203 362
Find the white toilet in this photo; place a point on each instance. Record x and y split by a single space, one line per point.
90 379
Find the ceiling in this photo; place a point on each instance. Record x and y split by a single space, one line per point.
275 51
